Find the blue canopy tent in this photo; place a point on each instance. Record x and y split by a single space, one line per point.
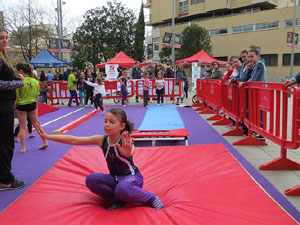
46 60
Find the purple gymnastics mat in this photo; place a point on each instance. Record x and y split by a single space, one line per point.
32 165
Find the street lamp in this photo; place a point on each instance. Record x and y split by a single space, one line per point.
293 42
60 27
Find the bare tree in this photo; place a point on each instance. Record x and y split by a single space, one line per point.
27 28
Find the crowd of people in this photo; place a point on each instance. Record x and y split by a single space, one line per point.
78 86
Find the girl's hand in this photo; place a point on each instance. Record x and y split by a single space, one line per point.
41 131
20 76
127 148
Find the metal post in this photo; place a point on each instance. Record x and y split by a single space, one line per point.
173 28
293 43
30 30
59 12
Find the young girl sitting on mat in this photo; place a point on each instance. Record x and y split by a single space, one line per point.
124 182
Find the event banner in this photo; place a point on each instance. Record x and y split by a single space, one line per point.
289 39
111 71
195 74
167 39
65 45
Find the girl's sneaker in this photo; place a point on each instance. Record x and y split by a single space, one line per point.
17 140
157 204
31 136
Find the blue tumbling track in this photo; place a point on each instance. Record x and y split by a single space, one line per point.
162 117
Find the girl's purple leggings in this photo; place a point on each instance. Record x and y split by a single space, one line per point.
127 188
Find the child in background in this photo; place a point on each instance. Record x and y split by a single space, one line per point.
125 181
123 80
99 91
208 74
82 90
44 88
160 88
29 127
146 88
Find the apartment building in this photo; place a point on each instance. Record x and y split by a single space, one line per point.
233 26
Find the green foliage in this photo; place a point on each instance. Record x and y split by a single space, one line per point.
165 54
194 39
139 38
104 32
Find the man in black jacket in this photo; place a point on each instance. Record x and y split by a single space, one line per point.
135 74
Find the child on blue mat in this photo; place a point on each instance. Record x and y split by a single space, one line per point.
124 182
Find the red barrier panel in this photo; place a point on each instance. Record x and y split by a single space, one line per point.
212 98
201 97
113 89
58 90
171 89
230 105
267 115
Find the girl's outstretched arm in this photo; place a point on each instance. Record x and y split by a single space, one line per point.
127 148
71 140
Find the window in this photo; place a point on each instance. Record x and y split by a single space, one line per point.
289 23
265 26
197 1
272 25
218 31
246 10
255 27
270 59
242 29
155 44
286 59
183 7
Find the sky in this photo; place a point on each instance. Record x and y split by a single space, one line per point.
76 8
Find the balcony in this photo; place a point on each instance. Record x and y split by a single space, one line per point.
148 20
147 4
267 3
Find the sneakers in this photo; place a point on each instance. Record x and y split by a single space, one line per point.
17 140
158 104
31 136
103 113
259 137
157 204
116 205
15 184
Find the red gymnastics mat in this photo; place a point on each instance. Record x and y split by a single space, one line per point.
44 108
200 184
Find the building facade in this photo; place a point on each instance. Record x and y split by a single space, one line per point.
233 26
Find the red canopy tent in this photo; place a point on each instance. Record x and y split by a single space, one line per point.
201 57
122 60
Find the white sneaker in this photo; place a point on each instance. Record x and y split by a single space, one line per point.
86 106
103 113
158 104
124 105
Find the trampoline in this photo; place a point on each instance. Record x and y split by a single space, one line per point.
203 185
161 123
